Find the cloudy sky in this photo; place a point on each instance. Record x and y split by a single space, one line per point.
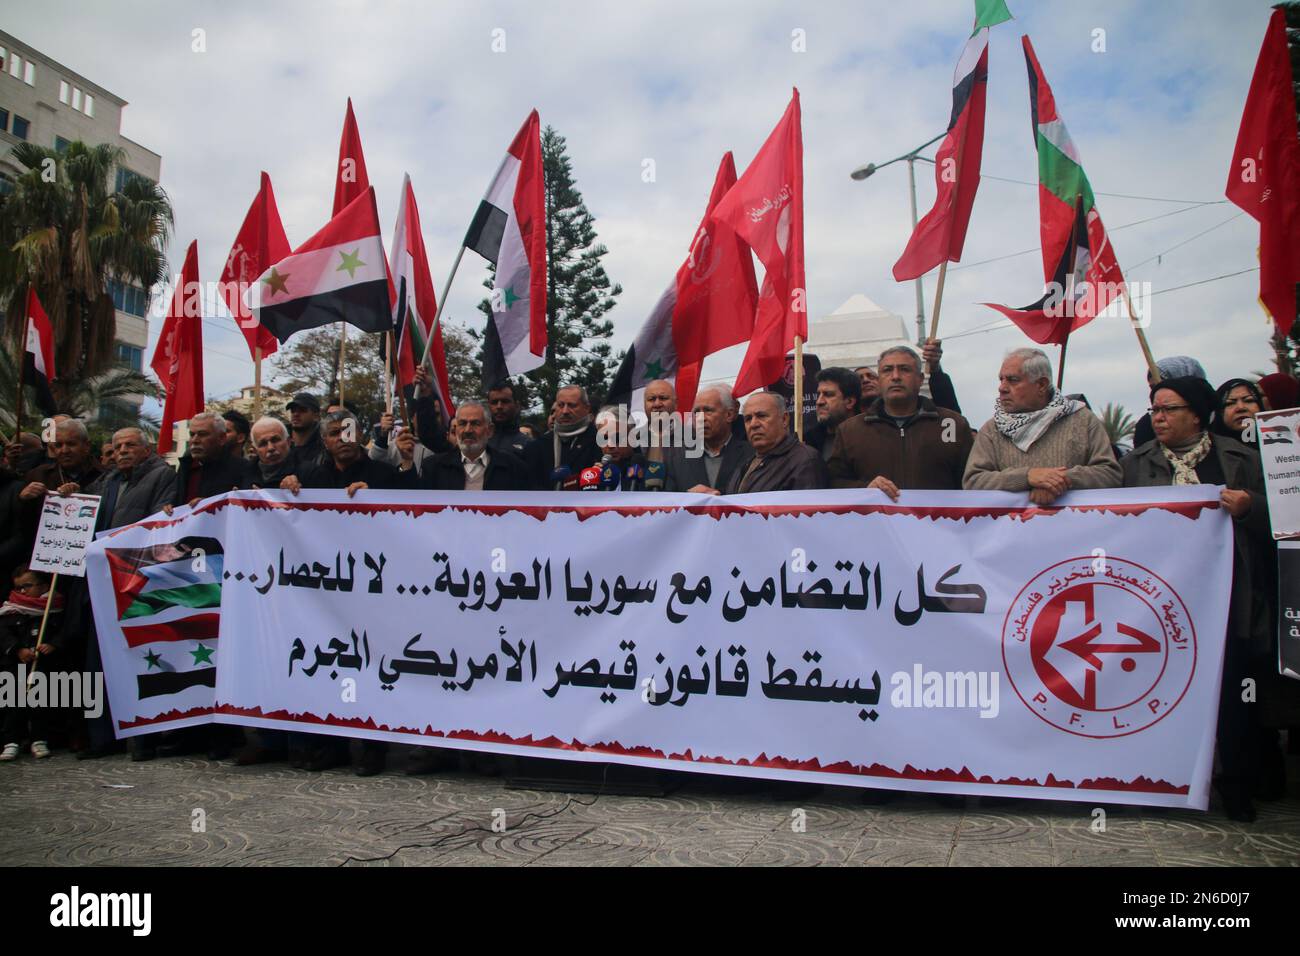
1154 115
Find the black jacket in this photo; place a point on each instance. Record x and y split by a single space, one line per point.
577 453
505 472
790 466
377 474
215 477
511 439
683 473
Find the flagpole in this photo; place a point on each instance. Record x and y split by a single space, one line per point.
1071 255
798 387
22 363
388 375
442 304
343 344
1060 368
1152 369
938 300
257 382
40 635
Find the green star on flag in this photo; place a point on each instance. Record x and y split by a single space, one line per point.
653 370
276 281
154 659
351 262
203 655
510 296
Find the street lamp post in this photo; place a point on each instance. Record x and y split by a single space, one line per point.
862 172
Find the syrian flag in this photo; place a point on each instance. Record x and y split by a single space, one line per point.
708 307
1264 179
261 242
178 356
414 305
765 209
350 179
1079 261
509 230
939 236
168 593
338 275
38 358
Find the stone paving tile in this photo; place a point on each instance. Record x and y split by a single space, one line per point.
114 812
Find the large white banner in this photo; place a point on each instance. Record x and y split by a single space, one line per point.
952 642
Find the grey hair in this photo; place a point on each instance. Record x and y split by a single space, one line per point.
780 399
586 400
218 423
480 405
1034 363
899 348
270 420
724 393
78 428
339 415
130 428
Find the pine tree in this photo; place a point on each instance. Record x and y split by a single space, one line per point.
578 292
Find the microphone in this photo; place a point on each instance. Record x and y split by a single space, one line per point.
609 474
589 479
654 476
562 479
633 475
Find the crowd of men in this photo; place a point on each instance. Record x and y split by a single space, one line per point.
874 427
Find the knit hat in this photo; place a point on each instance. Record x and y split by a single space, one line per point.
1196 392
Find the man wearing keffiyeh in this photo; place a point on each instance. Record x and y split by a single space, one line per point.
1038 440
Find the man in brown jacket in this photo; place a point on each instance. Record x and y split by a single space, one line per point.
902 441
781 462
1038 440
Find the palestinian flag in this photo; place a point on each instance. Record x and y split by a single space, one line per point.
941 234
169 592
709 306
338 275
1079 262
414 305
509 230
38 358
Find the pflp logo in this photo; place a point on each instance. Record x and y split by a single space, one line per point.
1099 647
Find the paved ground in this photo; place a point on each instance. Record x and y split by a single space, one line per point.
112 811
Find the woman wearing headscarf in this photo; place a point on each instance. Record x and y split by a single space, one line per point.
1238 402
1175 366
1186 452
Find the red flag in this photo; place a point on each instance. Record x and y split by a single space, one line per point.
1265 176
939 237
350 179
178 356
38 357
414 304
765 208
261 243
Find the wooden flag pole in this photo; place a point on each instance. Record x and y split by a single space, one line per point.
442 304
257 382
22 362
40 634
938 300
798 387
1152 370
1060 368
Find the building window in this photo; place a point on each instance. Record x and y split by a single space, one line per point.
4 121
90 105
15 65
131 356
61 145
29 73
4 57
130 299
76 98
63 92
6 184
125 176
20 127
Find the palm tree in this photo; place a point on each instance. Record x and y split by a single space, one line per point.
103 401
64 232
1119 424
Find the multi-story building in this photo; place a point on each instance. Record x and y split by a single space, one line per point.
44 102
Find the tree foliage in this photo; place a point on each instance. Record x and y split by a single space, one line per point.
65 232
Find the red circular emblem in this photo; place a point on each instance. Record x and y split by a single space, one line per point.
1099 647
